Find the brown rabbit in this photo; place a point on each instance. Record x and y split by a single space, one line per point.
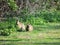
20 25
29 27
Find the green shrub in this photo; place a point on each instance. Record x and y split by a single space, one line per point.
49 16
43 15
7 27
5 32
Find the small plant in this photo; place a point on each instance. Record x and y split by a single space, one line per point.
5 32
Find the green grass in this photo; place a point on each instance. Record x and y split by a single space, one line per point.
48 34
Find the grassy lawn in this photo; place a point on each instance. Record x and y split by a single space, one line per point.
48 34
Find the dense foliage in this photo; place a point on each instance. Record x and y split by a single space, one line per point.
35 12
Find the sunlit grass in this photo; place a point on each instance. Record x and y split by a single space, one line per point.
48 33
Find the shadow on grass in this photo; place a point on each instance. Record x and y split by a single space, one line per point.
19 30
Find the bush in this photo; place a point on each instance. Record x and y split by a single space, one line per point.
49 16
7 27
5 32
42 17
